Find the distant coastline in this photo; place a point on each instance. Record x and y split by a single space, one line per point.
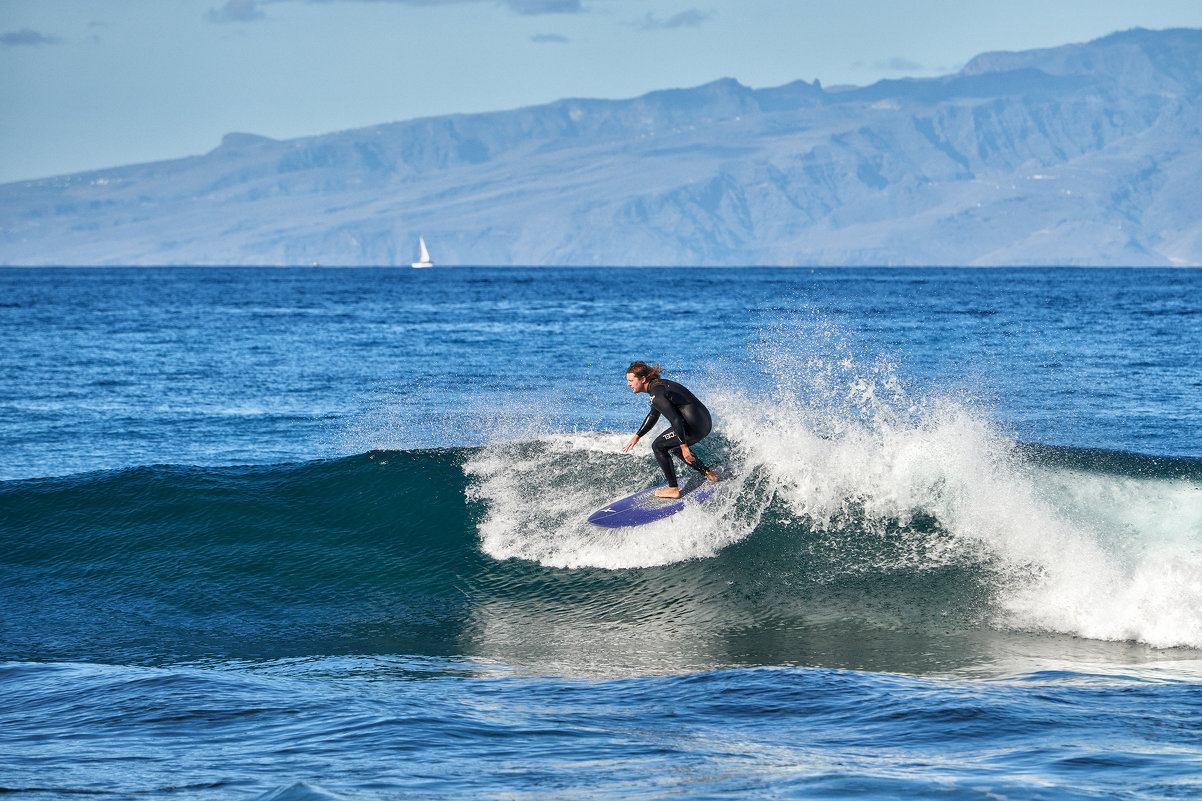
1082 155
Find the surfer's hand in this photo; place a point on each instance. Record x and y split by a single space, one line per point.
686 453
633 441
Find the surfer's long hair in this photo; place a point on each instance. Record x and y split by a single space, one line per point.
652 372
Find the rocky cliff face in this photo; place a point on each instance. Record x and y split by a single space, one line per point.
1083 154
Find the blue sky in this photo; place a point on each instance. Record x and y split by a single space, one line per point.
95 83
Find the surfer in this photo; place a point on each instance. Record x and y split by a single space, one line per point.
689 419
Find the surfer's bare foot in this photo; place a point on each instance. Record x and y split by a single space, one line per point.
668 492
712 476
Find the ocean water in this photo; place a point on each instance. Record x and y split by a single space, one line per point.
314 534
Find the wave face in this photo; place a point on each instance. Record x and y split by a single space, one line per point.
942 526
917 542
859 500
166 562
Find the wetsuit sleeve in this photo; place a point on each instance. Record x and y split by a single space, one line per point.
649 423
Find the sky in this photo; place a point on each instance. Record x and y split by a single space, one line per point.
88 84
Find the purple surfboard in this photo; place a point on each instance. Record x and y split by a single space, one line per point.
643 507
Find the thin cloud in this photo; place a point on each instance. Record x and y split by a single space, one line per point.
532 7
525 7
27 37
96 26
252 10
685 19
236 11
898 64
549 38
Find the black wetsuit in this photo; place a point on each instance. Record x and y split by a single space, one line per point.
690 423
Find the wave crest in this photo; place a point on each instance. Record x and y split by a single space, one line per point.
842 472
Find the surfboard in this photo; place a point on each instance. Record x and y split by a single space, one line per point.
643 507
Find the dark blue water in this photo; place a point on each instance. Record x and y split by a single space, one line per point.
110 368
317 534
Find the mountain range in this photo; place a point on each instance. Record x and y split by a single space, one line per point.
1086 154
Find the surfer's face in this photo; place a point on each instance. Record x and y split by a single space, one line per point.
635 383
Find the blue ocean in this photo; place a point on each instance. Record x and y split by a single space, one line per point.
321 534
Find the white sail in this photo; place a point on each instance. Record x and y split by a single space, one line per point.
425 254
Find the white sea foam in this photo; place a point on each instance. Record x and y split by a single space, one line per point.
840 441
539 494
1127 564
1092 554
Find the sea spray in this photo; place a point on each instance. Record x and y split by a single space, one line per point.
834 455
853 450
1145 581
538 495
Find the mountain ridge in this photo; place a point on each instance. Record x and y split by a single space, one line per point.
1080 154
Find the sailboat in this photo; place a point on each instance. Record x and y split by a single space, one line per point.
425 257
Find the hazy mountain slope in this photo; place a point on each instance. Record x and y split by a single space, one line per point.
1083 154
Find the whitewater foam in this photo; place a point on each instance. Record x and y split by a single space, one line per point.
1143 578
538 495
840 447
1100 556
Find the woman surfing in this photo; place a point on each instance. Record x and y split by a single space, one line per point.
689 419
